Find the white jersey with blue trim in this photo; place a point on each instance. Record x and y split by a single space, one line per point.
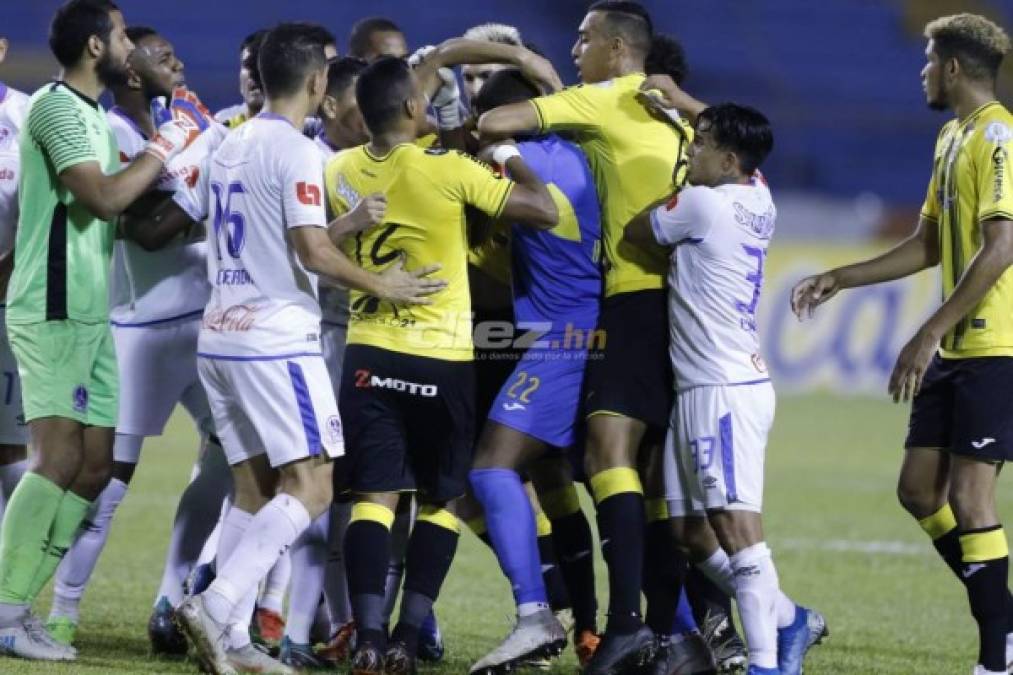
264 179
720 237
13 108
333 299
154 287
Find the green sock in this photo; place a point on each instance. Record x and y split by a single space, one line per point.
25 533
72 511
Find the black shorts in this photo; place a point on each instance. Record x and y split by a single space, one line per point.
632 376
966 407
408 422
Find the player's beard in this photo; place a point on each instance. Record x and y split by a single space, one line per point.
111 74
937 99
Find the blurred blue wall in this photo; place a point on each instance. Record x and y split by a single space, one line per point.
838 78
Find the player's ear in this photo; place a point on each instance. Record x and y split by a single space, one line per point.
328 107
95 47
133 79
3 49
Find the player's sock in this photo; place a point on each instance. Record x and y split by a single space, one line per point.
10 474
621 521
367 556
399 533
684 621
718 569
272 592
24 535
511 523
69 516
552 575
756 590
335 579
231 530
571 534
77 566
478 527
309 560
430 553
191 527
985 571
664 568
270 533
240 618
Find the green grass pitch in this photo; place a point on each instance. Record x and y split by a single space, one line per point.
840 541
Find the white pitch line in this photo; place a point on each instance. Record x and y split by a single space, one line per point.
853 546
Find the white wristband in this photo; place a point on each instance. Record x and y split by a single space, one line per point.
502 153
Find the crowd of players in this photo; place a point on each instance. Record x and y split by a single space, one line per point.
509 291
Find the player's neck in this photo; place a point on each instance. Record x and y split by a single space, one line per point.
626 67
292 109
84 79
970 98
383 143
134 105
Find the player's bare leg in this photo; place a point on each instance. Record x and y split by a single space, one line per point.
613 445
13 463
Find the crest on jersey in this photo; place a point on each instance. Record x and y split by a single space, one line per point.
334 428
997 132
348 193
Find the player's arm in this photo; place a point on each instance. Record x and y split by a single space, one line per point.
367 213
640 231
456 51
572 109
6 269
917 252
318 255
677 220
61 132
154 220
662 93
528 200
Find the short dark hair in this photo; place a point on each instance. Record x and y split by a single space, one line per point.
74 23
667 57
362 32
288 53
627 20
503 88
978 44
320 33
742 130
138 33
341 72
253 39
381 90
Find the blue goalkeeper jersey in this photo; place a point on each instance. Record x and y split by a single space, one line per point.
556 274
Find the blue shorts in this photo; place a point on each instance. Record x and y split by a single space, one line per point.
542 396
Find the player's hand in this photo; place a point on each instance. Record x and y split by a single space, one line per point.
912 362
419 55
539 70
664 91
447 100
409 288
189 118
367 213
812 292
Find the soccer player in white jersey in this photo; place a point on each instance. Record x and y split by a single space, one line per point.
13 433
719 230
259 353
156 299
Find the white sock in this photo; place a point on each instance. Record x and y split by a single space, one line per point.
209 486
309 562
10 474
268 536
78 564
400 531
231 531
756 592
529 608
718 568
335 581
272 593
210 551
239 620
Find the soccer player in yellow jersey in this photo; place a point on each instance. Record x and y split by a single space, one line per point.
959 364
636 160
407 383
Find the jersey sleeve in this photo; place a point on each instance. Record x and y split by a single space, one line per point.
193 192
994 173
56 124
684 218
302 187
476 184
572 108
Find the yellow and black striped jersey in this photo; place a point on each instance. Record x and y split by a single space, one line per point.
972 182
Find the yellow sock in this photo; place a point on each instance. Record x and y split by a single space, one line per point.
615 481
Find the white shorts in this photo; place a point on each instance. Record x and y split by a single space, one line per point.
158 369
332 342
280 406
12 416
715 448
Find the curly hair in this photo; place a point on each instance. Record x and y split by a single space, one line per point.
977 44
